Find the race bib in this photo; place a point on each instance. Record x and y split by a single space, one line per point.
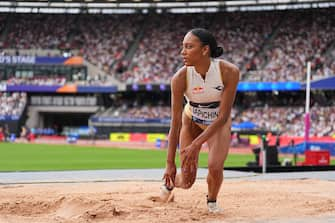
204 116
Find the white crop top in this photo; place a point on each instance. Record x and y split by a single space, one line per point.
203 95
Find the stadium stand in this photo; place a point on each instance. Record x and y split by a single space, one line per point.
27 31
243 35
296 41
56 80
158 51
144 49
271 113
104 40
12 104
267 46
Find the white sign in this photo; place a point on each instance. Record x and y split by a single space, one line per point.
17 59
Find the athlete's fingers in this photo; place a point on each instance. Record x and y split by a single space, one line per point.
166 179
171 183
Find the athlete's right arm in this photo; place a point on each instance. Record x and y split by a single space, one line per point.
178 86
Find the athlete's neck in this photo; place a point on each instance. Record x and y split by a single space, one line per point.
203 67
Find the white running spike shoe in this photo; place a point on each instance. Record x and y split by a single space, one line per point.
214 208
166 194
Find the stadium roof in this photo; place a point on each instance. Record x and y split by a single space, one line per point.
129 1
174 6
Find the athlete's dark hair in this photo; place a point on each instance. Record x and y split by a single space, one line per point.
207 38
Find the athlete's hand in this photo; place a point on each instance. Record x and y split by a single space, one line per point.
190 162
170 174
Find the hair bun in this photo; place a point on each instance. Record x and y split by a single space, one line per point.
218 52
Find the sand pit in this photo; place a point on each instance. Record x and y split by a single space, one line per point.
243 201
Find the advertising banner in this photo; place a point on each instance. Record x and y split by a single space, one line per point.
254 140
152 137
69 88
119 137
138 137
17 59
41 60
31 88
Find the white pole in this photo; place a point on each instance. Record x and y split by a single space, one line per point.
307 106
264 162
308 87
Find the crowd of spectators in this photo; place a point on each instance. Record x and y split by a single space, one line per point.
12 104
40 31
158 53
283 113
142 112
286 112
138 106
42 80
286 120
301 36
56 80
329 66
290 120
266 46
242 35
105 39
101 39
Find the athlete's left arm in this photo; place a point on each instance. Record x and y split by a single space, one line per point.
230 77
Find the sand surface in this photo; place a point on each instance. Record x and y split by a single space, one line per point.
242 200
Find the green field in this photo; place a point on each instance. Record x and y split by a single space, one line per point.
35 157
40 157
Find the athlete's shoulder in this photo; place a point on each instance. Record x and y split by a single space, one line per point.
229 71
178 81
228 67
180 74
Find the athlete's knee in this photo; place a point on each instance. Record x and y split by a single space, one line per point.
215 170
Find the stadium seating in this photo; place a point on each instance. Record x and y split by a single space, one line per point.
289 120
142 49
12 104
266 46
